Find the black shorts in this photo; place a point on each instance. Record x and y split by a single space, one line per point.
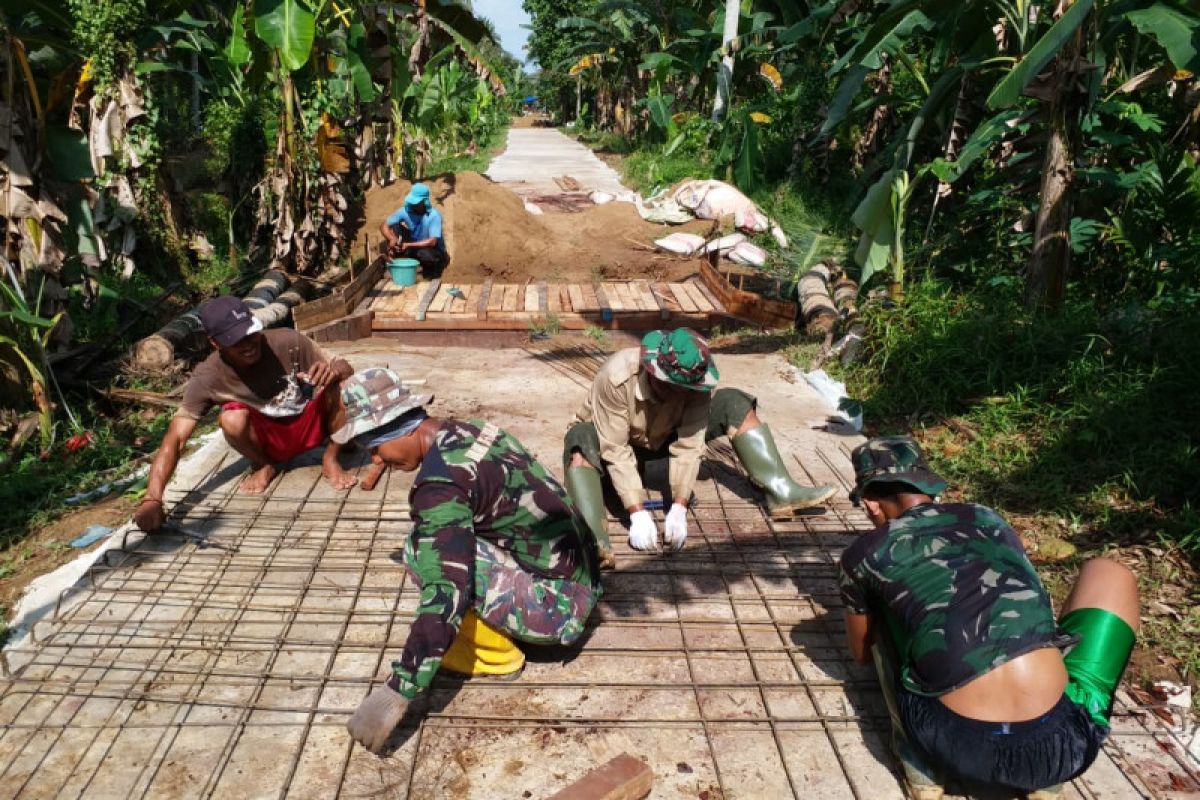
1024 756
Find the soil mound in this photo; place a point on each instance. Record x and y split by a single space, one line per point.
490 234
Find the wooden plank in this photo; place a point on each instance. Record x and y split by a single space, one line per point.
662 292
459 304
684 298
553 299
542 295
754 307
496 301
716 301
411 300
621 778
629 296
602 302
485 294
430 293
564 297
530 293
702 303
441 301
610 294
511 292
576 293
646 301
590 302
659 302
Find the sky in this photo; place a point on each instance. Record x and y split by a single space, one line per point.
508 17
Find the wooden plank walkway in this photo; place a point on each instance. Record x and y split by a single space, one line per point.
492 305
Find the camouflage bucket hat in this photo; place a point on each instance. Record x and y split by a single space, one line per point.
893 459
680 358
373 398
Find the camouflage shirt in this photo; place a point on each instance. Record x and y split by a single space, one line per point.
953 585
477 481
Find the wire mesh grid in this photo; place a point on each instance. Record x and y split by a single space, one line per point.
183 670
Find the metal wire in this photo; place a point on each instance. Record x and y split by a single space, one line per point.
208 673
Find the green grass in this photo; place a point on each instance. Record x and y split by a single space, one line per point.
1088 416
32 488
466 162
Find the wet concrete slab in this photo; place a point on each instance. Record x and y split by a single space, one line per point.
172 670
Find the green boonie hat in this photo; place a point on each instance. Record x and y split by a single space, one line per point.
680 358
373 398
893 459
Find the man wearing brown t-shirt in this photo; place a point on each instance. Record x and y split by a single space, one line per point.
278 394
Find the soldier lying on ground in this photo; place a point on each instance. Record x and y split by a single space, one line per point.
655 401
495 546
277 391
982 683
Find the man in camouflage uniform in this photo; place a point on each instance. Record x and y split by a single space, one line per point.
983 683
494 546
658 401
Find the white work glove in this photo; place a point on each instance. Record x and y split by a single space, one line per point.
377 717
643 533
675 531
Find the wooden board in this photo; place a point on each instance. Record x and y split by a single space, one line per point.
684 298
512 293
702 303
531 297
481 307
602 301
543 297
764 311
430 293
576 293
621 778
496 301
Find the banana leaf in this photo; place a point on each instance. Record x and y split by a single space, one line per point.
1176 30
289 27
1008 90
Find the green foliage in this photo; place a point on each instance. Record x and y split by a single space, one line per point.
1087 414
288 27
106 31
33 488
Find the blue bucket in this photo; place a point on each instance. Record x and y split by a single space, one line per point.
404 271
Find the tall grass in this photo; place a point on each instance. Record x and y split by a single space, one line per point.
1090 415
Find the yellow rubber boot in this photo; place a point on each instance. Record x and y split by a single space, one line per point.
480 649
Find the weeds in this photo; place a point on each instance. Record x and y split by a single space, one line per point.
542 327
1082 415
597 335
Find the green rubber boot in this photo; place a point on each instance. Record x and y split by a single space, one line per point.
583 484
757 451
921 782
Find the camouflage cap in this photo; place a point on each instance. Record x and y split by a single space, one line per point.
680 358
893 459
373 398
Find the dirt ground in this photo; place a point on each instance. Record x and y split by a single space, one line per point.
49 547
490 234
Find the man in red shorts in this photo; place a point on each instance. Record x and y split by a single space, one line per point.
278 394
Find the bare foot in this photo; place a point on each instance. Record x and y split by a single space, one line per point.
373 476
258 481
338 478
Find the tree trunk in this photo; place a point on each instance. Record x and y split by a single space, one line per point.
725 70
185 334
817 311
1046 277
578 97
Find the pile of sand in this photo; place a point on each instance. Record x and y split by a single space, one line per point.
490 234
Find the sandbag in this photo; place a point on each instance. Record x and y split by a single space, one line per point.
747 253
713 199
682 243
725 243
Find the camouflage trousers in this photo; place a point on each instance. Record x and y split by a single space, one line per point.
528 607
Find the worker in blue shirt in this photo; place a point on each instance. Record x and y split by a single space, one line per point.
415 231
